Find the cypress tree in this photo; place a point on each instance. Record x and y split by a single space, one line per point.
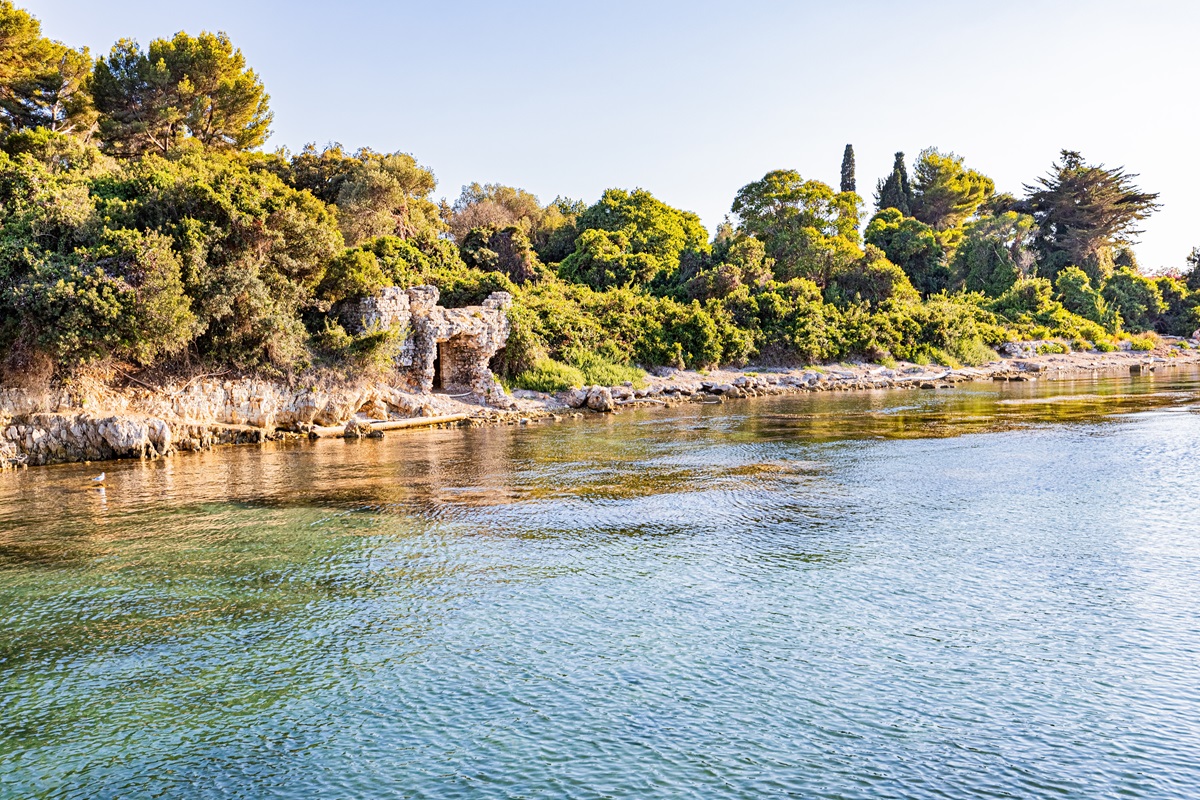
848 184
895 192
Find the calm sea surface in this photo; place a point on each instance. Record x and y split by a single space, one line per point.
986 592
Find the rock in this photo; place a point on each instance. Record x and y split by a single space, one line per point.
125 436
361 429
600 399
576 398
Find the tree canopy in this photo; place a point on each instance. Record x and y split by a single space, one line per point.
806 227
196 87
43 83
1082 209
848 183
944 192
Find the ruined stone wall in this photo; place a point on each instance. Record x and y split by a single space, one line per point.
469 338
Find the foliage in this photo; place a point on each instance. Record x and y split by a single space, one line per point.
198 87
873 280
739 262
1138 300
599 371
945 193
996 252
1029 306
386 194
895 191
1143 343
1082 209
806 228
43 83
914 247
1077 295
495 206
138 226
1193 270
248 250
605 260
848 183
1179 317
549 375
632 237
505 250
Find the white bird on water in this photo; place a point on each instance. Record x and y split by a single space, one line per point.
99 478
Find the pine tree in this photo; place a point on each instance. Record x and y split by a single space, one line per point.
848 184
895 192
1083 210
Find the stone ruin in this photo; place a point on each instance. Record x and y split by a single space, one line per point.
445 349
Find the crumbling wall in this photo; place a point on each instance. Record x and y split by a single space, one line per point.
468 338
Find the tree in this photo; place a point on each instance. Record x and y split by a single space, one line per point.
386 194
22 48
186 86
1178 319
913 246
1193 270
895 192
1082 209
743 262
505 250
945 193
848 184
995 253
43 83
494 205
806 227
606 260
661 237
223 102
874 279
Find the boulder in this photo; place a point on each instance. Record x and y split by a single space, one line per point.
576 398
600 399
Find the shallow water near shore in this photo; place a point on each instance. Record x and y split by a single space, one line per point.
991 591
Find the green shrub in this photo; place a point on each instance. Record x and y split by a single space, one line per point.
1143 343
600 371
974 353
549 375
1047 348
1106 347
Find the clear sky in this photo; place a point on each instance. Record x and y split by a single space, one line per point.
692 100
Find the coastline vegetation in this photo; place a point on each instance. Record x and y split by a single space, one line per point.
144 227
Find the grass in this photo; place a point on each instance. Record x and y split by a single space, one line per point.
579 367
549 375
599 371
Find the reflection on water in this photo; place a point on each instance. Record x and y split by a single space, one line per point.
990 591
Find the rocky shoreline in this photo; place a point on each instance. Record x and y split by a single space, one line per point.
99 422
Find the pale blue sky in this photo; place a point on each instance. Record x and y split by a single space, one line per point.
693 100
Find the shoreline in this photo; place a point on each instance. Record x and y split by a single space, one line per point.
103 423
